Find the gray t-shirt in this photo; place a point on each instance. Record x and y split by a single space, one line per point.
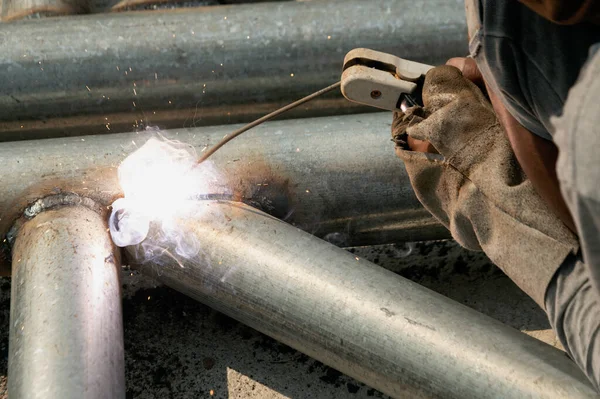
529 60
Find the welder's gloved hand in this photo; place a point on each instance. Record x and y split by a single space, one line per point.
470 180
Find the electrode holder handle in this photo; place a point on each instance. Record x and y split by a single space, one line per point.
382 80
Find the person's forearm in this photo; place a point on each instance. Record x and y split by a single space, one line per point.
538 158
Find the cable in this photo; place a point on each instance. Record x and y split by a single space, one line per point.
265 118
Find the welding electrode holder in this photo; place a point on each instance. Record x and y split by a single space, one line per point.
382 80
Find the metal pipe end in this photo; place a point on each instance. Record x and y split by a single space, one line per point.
127 226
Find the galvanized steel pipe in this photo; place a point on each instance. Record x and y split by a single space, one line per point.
222 64
359 318
335 177
66 326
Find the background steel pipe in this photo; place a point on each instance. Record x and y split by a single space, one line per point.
220 64
363 320
335 177
66 326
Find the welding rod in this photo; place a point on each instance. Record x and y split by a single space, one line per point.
265 118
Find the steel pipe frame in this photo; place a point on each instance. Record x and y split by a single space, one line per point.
359 318
335 177
205 66
66 324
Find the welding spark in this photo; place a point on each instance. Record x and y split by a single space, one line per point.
159 181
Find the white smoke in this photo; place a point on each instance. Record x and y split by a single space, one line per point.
158 181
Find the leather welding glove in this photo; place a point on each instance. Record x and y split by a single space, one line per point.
474 185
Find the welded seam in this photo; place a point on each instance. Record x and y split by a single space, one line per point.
47 203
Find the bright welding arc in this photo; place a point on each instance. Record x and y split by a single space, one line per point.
265 118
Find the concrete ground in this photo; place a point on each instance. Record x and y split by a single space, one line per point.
178 348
